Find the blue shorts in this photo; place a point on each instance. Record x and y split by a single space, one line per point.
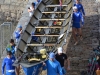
10 73
76 25
63 70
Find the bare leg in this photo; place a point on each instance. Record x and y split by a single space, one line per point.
80 33
74 35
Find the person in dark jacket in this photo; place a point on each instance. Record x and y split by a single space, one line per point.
63 60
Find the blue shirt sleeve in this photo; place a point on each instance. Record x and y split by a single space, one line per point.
17 35
82 10
3 65
60 69
13 50
82 19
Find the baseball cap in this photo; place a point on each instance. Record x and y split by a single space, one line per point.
60 50
19 26
51 55
74 7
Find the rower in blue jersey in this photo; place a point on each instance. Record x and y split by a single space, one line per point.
53 66
76 26
8 63
79 6
18 33
11 47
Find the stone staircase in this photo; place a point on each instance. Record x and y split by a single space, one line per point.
80 53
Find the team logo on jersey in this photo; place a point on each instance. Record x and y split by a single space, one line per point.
13 60
77 14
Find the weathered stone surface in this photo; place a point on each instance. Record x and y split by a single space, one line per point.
7 1
82 52
2 1
12 6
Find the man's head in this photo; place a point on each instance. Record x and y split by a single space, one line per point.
60 50
38 0
9 54
52 56
77 1
33 4
75 9
12 42
19 27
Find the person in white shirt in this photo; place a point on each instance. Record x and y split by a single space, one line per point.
31 9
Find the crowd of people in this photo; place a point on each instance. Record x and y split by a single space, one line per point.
57 63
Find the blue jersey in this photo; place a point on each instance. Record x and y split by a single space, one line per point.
38 1
80 8
17 34
7 62
77 18
11 48
53 68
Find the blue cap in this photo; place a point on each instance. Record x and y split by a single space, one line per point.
51 55
19 26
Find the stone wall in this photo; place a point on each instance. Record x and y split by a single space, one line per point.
12 9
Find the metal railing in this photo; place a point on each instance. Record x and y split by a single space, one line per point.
6 30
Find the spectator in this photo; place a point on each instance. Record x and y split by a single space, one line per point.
76 27
8 63
18 33
53 66
79 7
31 9
11 47
63 60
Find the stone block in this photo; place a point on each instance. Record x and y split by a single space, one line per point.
1 1
12 7
3 7
8 18
13 15
7 1
14 1
7 13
